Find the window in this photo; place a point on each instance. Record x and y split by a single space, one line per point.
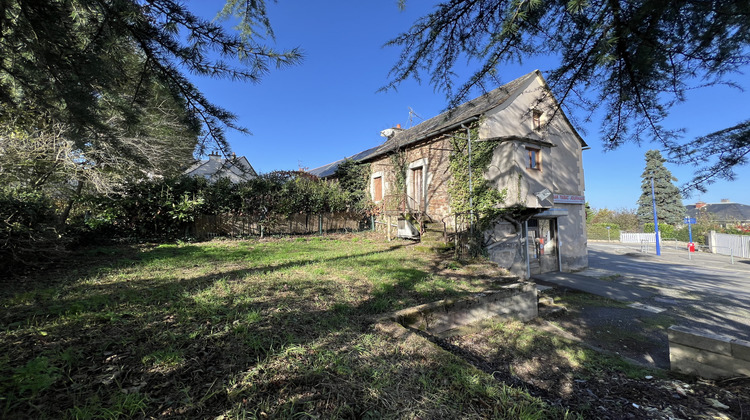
534 160
536 119
377 188
417 184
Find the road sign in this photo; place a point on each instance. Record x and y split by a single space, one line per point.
690 221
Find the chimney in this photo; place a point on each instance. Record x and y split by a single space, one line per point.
214 156
700 205
725 200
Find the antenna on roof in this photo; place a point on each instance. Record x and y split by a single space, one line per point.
413 114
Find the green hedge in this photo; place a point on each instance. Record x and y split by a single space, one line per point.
27 229
598 231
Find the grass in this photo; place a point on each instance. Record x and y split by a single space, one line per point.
577 299
545 361
242 329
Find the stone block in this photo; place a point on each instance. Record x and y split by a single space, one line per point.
704 363
714 343
681 361
741 350
517 301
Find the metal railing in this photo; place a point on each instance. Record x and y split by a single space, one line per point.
646 249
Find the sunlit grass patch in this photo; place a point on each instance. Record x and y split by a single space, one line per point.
242 329
163 360
533 352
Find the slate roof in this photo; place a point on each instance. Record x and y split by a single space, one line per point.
447 121
237 169
328 170
722 212
461 114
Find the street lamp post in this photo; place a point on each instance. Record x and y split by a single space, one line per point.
656 221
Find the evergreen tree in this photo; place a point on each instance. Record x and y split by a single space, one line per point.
632 59
669 208
94 65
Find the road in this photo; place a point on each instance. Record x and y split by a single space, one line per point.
702 273
700 290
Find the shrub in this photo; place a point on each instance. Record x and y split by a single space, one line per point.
598 231
665 231
27 229
165 209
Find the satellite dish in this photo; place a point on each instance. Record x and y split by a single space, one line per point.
387 133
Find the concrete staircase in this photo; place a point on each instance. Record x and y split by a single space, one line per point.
433 239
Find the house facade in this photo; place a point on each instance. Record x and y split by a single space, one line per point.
536 160
725 213
236 169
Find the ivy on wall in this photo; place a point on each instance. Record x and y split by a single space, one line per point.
400 167
487 200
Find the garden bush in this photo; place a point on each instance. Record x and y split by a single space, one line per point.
28 234
598 231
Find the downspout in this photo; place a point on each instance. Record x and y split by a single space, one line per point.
559 245
526 248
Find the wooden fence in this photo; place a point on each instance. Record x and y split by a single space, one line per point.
209 226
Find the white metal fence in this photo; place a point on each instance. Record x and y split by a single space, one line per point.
637 238
734 245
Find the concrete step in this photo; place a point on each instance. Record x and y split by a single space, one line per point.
433 247
433 236
433 227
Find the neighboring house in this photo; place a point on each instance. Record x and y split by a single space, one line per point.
329 170
537 160
237 169
725 213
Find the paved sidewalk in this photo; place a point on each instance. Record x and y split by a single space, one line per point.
610 289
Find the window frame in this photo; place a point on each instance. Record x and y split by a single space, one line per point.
533 158
373 192
537 119
421 202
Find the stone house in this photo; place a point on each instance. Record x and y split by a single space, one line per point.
536 161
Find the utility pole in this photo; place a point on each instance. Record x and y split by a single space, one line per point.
656 221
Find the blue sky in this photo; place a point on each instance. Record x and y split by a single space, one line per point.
328 107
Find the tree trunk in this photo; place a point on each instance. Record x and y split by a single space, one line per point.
69 206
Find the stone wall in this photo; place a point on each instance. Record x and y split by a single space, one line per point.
518 301
434 155
707 355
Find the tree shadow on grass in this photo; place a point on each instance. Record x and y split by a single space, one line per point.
184 344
